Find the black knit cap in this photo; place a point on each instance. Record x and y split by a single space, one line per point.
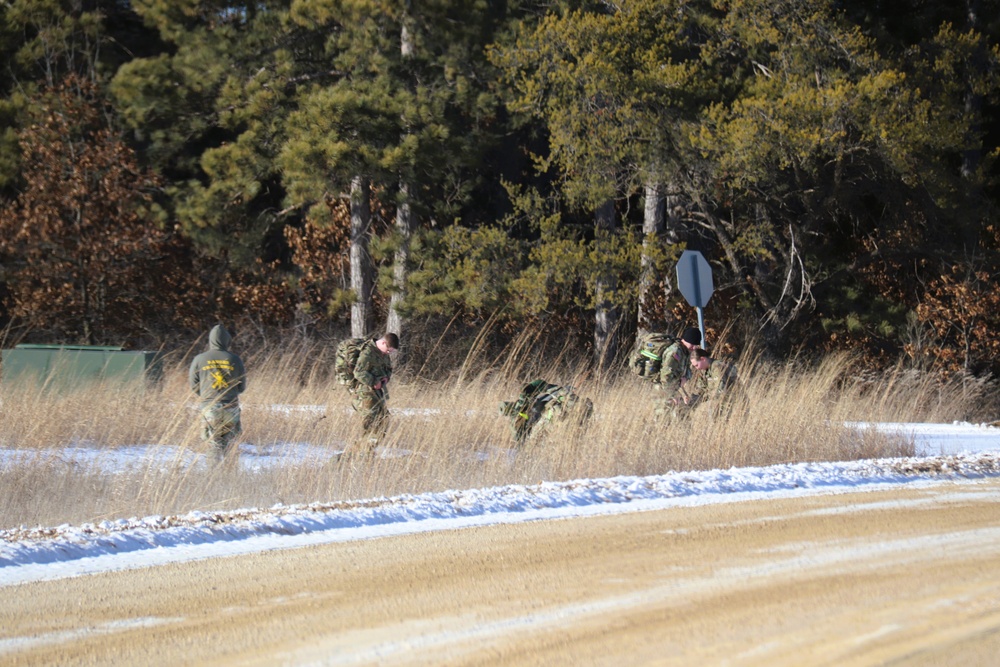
692 336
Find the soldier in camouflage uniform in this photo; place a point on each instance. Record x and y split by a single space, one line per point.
370 387
675 372
541 405
218 377
711 378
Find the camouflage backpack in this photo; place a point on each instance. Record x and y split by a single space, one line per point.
646 359
541 402
530 395
348 351
562 403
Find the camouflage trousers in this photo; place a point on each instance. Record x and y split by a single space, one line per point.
672 409
374 415
220 426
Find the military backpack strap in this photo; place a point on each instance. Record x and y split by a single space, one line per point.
548 393
650 354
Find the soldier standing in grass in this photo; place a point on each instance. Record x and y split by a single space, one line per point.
217 376
370 389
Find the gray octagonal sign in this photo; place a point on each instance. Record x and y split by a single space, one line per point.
694 278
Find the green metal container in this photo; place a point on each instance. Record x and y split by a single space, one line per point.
69 366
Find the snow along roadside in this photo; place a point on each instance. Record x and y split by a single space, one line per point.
31 554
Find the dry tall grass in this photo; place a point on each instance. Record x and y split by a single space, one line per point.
444 434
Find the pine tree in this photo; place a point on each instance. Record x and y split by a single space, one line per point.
614 88
209 113
405 116
835 163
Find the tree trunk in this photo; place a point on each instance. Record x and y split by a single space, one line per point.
401 261
673 204
652 230
606 313
404 213
362 269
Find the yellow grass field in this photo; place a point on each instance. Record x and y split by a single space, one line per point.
444 434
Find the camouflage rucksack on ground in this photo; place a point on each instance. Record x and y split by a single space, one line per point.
541 403
526 400
347 357
647 357
560 402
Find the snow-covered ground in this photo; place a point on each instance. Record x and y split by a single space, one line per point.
957 451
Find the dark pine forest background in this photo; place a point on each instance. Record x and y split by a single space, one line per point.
464 171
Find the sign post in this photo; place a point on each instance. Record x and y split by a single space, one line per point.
694 280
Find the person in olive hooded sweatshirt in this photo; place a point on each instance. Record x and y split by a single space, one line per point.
218 377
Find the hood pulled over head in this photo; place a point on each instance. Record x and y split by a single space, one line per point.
219 338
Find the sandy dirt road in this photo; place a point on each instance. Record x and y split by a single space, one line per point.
901 577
